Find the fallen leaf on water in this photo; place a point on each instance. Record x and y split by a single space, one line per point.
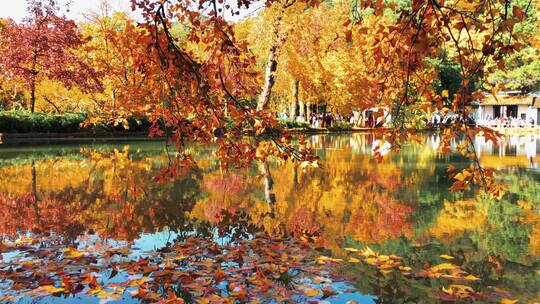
72 253
100 293
321 259
328 292
47 290
368 252
443 266
447 257
311 292
508 301
470 277
460 291
24 240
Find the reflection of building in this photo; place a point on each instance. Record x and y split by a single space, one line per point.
512 151
508 105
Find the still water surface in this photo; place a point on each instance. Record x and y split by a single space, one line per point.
400 206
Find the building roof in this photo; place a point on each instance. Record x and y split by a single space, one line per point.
507 100
536 100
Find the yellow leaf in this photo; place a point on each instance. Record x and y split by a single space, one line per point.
446 257
384 258
372 261
524 205
462 176
471 278
50 289
311 292
443 266
102 294
321 259
351 249
368 252
508 301
72 253
24 240
447 290
444 94
354 260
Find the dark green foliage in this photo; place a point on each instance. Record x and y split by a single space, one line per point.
449 75
18 121
24 122
290 123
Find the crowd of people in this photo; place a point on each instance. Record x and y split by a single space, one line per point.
501 122
324 120
507 122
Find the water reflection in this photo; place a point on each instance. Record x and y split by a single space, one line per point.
399 206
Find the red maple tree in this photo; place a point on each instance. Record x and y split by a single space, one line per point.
43 46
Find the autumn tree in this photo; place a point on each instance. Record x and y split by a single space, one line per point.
42 47
207 98
522 68
116 49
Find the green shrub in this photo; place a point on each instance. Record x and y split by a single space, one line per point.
291 123
18 121
24 121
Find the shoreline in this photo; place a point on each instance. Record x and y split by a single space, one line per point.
8 139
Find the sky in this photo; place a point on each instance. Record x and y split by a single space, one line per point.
16 9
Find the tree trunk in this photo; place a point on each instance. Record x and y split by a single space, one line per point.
295 176
301 105
271 65
33 95
308 110
56 108
268 182
269 80
294 101
292 110
34 180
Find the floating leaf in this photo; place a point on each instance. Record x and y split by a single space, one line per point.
446 257
508 301
443 266
311 292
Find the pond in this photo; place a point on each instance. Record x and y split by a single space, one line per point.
107 193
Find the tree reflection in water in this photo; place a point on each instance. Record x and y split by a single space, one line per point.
398 206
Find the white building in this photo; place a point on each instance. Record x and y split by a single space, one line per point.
510 104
